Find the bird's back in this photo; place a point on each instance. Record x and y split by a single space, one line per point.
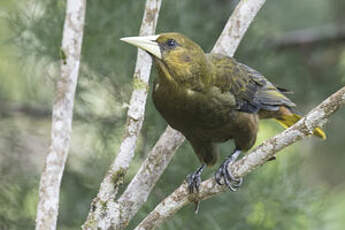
253 92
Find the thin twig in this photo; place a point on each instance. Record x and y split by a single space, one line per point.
8 109
308 37
48 205
103 213
257 157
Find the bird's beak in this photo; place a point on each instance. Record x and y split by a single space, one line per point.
147 43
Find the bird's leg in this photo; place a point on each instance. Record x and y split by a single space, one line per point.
194 180
231 182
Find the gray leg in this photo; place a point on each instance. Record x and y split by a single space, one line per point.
194 180
223 173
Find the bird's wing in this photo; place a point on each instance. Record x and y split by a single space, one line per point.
252 91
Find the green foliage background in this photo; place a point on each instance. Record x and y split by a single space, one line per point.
303 189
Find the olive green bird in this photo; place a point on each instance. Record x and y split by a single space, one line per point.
212 98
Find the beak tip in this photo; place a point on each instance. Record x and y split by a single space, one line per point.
124 39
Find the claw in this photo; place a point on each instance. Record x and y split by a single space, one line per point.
232 187
223 173
237 181
218 176
194 180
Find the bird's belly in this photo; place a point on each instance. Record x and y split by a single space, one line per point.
209 121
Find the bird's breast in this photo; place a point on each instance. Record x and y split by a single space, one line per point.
190 111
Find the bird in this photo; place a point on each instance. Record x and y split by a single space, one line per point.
212 98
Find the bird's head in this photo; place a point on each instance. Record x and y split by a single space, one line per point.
182 58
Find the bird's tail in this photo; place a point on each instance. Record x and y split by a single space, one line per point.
288 120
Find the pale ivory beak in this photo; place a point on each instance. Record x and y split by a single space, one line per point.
147 43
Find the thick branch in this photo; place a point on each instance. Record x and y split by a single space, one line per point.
102 214
47 210
154 165
180 197
141 185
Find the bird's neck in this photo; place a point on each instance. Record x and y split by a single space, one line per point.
190 75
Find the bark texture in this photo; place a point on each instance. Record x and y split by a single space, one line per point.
257 157
48 205
237 26
105 212
150 171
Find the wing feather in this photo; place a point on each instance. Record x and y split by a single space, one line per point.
251 89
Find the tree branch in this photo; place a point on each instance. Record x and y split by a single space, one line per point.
8 109
237 26
103 208
308 37
141 185
47 210
257 157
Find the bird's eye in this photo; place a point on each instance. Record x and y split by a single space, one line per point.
171 43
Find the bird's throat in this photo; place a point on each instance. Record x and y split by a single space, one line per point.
163 72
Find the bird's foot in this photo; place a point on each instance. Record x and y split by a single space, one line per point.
194 180
223 173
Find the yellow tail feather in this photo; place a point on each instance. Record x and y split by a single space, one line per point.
288 120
